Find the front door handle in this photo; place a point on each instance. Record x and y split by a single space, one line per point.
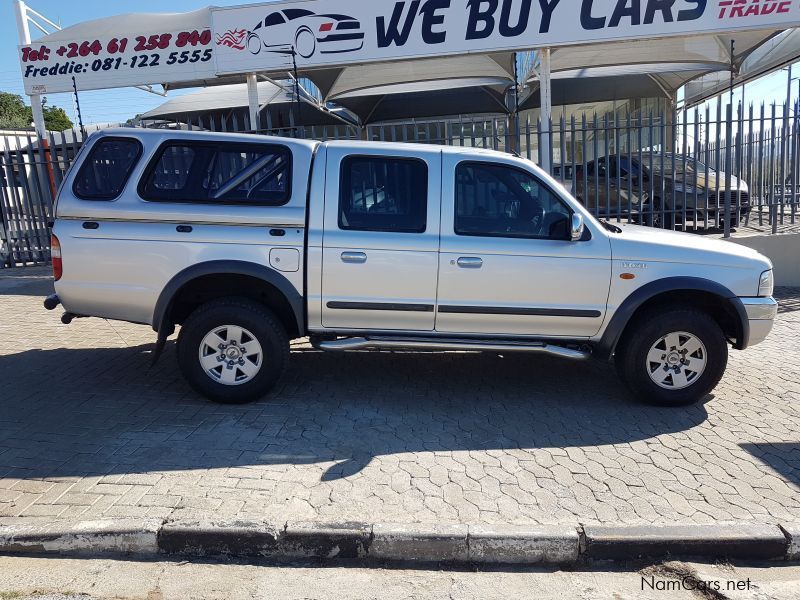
356 258
470 262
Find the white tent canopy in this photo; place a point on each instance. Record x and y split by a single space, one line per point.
421 88
782 49
641 67
277 101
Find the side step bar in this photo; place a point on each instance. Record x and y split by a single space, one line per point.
388 343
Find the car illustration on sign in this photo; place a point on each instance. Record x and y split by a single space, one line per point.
304 32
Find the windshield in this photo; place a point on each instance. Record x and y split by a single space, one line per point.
669 163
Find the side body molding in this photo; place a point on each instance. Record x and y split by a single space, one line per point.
224 267
622 316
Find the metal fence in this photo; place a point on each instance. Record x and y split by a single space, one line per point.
695 170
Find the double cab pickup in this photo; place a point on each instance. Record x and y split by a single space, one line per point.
246 242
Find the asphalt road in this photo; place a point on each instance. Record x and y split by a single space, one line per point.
76 579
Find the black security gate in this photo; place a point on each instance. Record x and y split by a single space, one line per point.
696 170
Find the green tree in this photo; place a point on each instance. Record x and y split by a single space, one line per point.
15 114
56 119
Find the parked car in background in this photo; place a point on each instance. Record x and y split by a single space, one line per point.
659 189
564 174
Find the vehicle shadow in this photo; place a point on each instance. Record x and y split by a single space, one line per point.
38 284
782 458
79 412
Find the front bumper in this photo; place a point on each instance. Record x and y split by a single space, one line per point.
761 313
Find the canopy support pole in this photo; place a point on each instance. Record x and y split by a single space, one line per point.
546 93
252 101
24 31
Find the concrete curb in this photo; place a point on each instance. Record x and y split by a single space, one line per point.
792 533
255 539
748 541
561 545
117 536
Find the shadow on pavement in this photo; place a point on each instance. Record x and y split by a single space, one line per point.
26 285
783 458
79 412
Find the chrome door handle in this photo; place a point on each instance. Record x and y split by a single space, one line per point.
356 258
468 262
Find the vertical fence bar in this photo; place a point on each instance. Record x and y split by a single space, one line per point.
21 181
794 159
596 200
585 161
773 209
617 166
574 174
16 209
760 168
728 168
607 178
629 139
562 149
35 198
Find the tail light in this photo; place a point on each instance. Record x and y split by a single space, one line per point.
55 253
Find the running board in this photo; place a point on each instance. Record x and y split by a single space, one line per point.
388 343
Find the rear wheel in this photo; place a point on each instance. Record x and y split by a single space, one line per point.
232 350
672 357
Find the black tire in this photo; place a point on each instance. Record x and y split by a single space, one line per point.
641 335
659 220
256 319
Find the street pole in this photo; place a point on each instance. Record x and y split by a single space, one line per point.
252 102
24 32
546 95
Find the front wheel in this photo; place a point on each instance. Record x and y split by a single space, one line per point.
233 350
672 357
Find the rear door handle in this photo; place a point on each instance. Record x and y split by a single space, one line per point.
91 225
470 262
357 258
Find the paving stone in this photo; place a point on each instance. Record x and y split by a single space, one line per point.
413 438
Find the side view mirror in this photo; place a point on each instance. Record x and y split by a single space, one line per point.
576 227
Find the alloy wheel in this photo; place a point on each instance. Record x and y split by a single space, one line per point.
676 360
230 355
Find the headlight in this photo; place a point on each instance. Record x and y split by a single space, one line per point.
766 284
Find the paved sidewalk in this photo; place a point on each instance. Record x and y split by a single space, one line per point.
88 430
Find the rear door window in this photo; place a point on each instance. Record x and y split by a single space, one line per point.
383 194
107 167
224 173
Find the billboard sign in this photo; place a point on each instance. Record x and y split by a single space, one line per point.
318 33
127 58
270 37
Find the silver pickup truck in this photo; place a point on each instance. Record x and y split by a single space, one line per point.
247 242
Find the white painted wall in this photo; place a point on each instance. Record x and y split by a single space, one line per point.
784 252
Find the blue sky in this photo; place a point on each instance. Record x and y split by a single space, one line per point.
119 105
100 106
